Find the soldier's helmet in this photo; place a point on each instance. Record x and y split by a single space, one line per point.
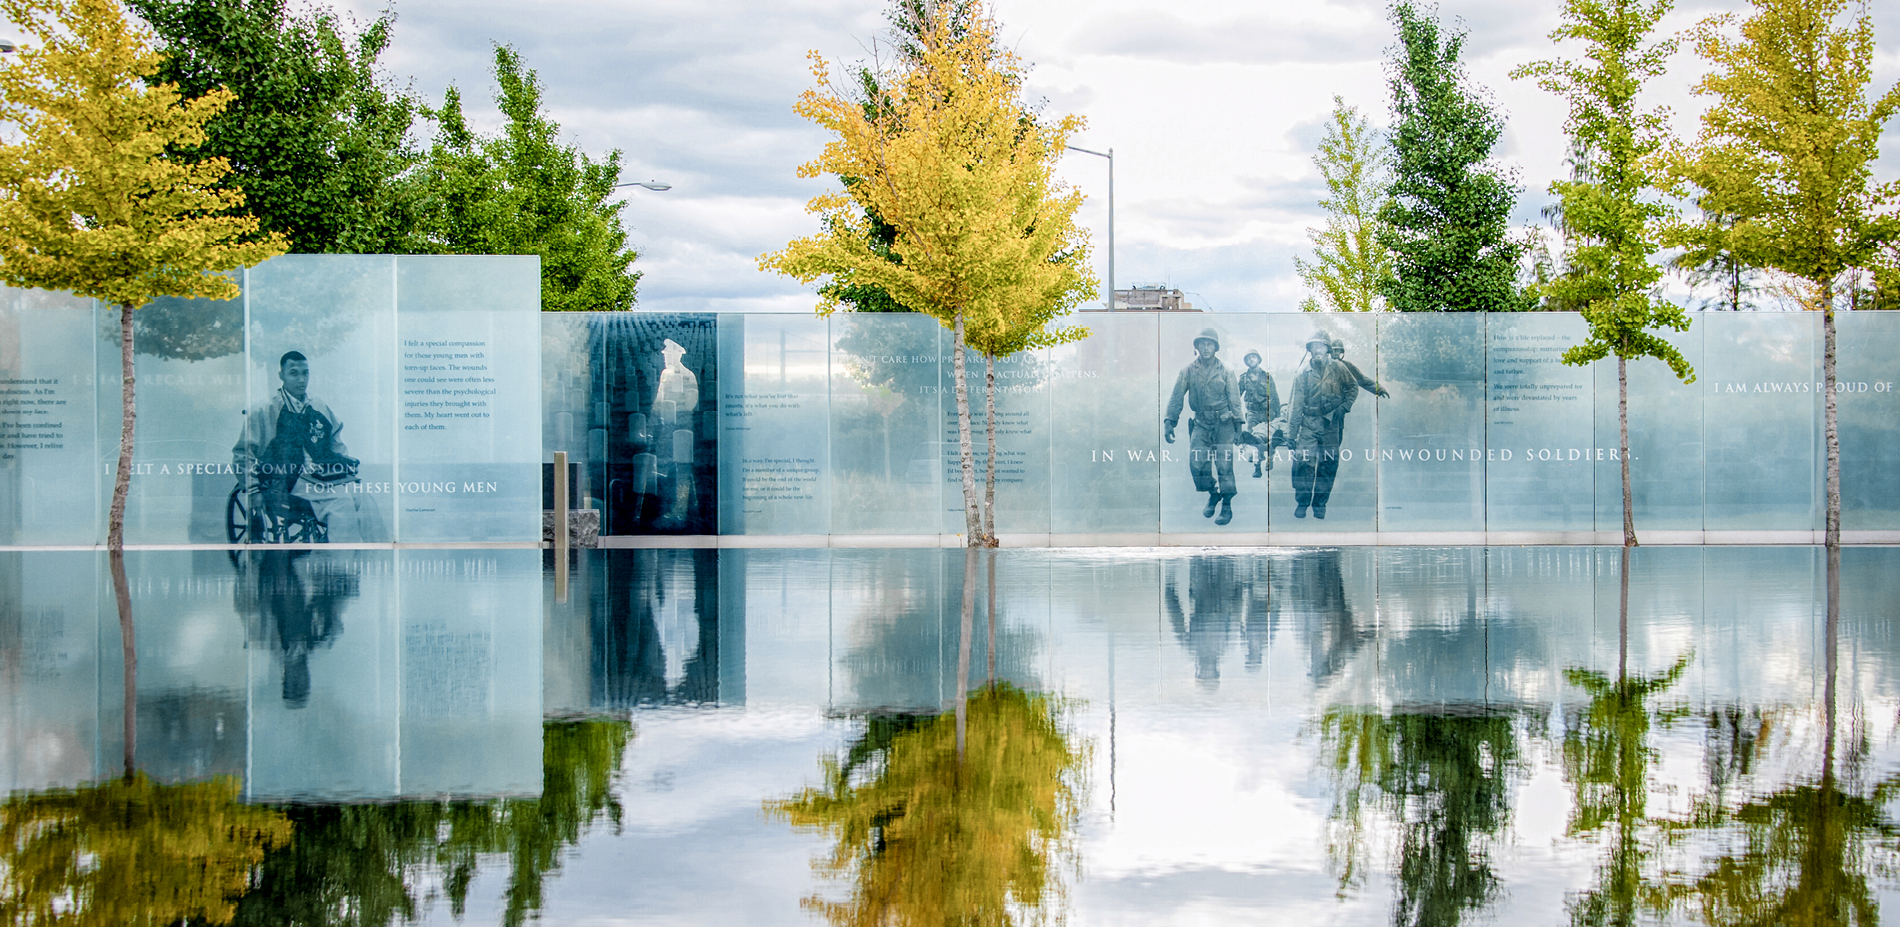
1320 337
1251 357
1208 334
1339 348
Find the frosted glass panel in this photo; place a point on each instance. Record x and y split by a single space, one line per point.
1761 405
1539 461
1022 442
774 440
1210 461
1431 429
889 451
469 334
1105 453
1665 441
49 478
1868 417
1350 435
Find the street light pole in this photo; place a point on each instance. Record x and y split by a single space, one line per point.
653 185
1110 155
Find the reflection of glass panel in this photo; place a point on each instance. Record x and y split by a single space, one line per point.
653 430
1539 460
191 403
1332 454
49 484
1022 442
1104 450
1867 356
894 629
1214 450
1665 419
888 405
1761 415
774 441
50 644
317 438
471 672
1431 430
469 335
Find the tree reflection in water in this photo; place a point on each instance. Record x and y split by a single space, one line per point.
926 839
358 864
131 851
1443 777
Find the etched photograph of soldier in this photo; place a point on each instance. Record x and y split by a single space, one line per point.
297 482
1322 394
1208 389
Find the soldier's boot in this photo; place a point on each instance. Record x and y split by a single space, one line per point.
1256 464
1213 499
1319 510
1226 509
1299 511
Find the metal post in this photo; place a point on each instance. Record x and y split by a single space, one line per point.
560 526
1110 155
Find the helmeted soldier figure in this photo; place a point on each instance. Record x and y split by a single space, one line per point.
1263 407
1211 392
1316 422
1366 383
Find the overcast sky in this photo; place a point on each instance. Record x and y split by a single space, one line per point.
1213 110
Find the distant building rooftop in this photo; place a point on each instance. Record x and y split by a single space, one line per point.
1152 299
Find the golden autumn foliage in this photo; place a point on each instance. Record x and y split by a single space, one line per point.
91 199
131 852
931 840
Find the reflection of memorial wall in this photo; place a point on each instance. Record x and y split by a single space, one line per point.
846 427
309 674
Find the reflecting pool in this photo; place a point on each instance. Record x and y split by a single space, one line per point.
1345 736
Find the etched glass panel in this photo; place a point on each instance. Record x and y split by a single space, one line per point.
1867 416
50 484
1105 455
890 389
1207 460
1762 412
1431 426
1665 421
775 436
1539 462
1330 466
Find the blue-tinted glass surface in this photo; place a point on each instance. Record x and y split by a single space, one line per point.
1539 469
1432 427
469 443
1762 414
1337 453
893 428
775 426
1023 395
49 474
1666 447
1104 456
1868 418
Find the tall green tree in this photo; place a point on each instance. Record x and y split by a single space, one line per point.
1611 207
1351 268
1786 149
315 137
984 231
91 199
1447 222
522 191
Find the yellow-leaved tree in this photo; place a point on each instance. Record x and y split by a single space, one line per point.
950 159
92 197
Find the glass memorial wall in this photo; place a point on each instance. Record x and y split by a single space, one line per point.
339 399
1293 423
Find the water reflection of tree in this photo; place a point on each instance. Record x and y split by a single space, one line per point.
1809 850
926 838
131 851
359 864
1443 777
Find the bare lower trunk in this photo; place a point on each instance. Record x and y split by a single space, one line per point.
1623 448
989 481
972 519
127 641
128 414
990 650
963 648
1828 400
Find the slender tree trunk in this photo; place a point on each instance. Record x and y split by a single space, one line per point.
989 485
963 648
128 414
1623 445
990 650
1830 416
129 645
972 519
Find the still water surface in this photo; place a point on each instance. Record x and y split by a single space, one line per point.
1357 736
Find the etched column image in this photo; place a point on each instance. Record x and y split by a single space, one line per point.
1207 446
655 422
1330 421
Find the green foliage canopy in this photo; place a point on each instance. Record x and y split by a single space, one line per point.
1351 268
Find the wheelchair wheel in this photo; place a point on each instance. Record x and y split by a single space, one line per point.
237 521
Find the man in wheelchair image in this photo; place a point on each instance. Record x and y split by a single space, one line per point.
297 483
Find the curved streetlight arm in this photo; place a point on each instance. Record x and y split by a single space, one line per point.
653 185
1110 155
